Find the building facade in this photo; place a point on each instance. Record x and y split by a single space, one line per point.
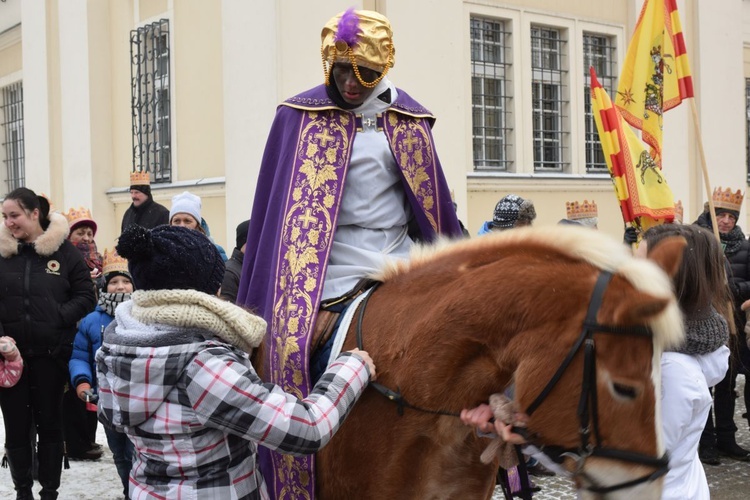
92 89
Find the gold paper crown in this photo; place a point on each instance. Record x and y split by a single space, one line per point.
678 212
373 48
113 263
82 214
80 217
727 199
585 210
140 179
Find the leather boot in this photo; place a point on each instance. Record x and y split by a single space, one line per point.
50 468
19 461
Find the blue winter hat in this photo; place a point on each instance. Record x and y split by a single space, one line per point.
171 257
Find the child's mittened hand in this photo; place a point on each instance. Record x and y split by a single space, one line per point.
8 349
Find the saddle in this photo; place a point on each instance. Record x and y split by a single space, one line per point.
331 309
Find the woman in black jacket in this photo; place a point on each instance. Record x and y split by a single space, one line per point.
45 288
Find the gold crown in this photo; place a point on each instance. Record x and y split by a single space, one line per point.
140 179
727 199
82 214
585 210
113 263
678 212
372 49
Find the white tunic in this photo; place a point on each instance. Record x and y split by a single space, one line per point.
374 211
686 401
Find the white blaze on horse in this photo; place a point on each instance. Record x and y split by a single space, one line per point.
464 320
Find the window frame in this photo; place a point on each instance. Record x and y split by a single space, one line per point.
13 134
484 72
152 133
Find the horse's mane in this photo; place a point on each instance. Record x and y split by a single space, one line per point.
584 244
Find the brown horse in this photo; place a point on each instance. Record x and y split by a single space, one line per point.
458 323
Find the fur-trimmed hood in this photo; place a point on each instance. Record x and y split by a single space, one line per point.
45 245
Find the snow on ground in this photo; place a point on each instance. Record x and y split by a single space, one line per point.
85 480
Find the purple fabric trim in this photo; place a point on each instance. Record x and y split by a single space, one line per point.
298 196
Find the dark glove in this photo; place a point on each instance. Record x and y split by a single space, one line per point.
630 236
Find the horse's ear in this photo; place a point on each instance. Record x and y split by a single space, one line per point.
668 254
637 308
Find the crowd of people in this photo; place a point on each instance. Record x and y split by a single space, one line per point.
152 337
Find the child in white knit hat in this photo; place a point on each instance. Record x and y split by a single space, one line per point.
11 363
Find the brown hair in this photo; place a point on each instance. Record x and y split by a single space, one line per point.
701 280
30 201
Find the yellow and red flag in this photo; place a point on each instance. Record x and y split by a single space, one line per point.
656 74
644 195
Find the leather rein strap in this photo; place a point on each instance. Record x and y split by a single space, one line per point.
392 395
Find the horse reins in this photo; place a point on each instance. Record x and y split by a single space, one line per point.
392 395
587 405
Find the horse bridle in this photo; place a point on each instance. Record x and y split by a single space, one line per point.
588 402
587 405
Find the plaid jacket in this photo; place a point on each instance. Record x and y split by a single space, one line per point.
196 410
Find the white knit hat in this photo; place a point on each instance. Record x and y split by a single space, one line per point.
186 203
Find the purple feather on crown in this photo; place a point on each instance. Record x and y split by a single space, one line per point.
348 28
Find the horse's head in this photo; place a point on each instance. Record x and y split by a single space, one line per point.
588 363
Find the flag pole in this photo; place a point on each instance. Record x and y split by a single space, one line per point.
704 167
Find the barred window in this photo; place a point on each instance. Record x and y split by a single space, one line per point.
747 127
149 72
598 51
13 138
550 100
491 95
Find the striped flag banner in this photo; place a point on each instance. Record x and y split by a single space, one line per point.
656 74
642 190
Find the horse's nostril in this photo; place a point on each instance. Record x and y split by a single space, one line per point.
625 391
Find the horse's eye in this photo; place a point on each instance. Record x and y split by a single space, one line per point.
625 391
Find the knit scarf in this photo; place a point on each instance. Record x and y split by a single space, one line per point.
92 257
109 301
732 240
194 309
704 332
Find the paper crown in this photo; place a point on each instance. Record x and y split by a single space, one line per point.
140 179
585 210
360 38
113 263
80 217
728 200
678 212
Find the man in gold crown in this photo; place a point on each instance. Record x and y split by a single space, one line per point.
349 178
737 251
144 211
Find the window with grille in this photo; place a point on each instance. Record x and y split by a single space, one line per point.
13 143
491 95
599 51
149 71
549 95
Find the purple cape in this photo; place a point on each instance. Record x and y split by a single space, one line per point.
292 227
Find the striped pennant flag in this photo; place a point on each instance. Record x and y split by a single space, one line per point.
656 74
644 195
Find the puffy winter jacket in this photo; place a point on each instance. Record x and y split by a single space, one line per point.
45 288
88 340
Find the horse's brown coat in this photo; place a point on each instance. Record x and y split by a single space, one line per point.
456 325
